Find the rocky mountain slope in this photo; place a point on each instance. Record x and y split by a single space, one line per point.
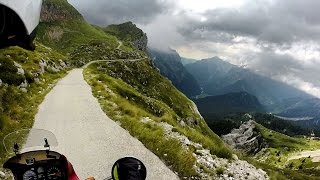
170 66
150 108
274 150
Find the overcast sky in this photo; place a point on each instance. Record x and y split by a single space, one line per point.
277 38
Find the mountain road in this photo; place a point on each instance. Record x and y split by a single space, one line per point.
87 137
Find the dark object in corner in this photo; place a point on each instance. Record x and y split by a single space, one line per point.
13 31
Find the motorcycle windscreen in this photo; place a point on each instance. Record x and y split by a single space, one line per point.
29 140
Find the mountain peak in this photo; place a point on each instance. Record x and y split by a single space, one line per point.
58 11
129 32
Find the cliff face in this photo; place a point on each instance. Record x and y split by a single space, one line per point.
58 11
170 65
141 43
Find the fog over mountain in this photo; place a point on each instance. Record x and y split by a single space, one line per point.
276 38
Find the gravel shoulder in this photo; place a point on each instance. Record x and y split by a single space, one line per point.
88 138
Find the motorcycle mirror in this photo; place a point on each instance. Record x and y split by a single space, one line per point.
129 168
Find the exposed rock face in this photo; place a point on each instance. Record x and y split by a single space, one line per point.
141 43
246 138
170 65
52 12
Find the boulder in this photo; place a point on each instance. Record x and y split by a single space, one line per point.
19 67
246 139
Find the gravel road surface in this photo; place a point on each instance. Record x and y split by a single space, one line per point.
88 138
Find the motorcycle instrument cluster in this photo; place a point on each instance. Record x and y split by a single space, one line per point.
39 165
50 173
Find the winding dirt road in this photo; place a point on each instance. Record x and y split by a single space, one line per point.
91 140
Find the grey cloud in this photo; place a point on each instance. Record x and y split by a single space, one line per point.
279 21
105 12
275 65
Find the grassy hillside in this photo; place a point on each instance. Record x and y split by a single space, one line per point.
26 78
284 145
281 147
130 92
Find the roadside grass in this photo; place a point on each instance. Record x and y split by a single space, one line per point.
129 98
18 108
129 115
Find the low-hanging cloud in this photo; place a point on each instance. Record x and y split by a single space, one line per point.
106 12
280 22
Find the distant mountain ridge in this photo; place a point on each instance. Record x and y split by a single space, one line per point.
170 66
304 108
231 102
186 61
218 77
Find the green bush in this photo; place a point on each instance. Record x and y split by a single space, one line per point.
8 72
220 170
29 77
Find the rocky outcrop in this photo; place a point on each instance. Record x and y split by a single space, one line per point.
220 168
246 139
